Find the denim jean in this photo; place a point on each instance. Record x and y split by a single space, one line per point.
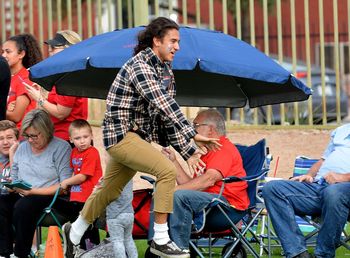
285 199
186 203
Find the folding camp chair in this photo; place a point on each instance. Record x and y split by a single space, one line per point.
217 222
301 167
142 206
49 217
309 225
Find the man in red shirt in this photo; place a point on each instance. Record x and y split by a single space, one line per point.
193 194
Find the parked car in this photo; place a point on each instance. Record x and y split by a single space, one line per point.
301 73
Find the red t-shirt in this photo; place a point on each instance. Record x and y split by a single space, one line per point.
88 163
17 89
228 162
79 108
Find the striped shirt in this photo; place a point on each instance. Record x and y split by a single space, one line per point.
143 90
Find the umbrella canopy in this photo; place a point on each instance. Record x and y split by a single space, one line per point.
211 69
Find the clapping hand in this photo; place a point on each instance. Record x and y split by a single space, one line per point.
195 164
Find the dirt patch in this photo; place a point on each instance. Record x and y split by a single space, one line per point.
284 145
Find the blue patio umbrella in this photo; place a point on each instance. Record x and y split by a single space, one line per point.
211 69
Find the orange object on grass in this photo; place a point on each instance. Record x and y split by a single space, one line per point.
53 247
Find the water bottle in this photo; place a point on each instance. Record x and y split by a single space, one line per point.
42 250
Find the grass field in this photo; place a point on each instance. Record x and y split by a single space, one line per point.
276 251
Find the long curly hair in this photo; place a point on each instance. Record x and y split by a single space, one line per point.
27 43
157 28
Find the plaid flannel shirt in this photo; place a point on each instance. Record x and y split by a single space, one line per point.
143 89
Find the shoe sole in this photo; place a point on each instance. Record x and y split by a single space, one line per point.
65 241
163 255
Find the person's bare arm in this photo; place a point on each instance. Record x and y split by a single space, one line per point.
38 191
181 175
20 106
309 176
74 180
202 182
58 111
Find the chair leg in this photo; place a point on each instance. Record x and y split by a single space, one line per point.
38 237
196 249
210 245
262 232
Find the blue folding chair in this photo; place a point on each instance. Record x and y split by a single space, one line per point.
217 224
302 165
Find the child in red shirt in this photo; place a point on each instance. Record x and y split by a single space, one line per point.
87 170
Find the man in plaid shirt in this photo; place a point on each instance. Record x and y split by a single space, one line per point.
140 109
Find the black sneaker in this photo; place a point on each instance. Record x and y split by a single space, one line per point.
68 247
169 250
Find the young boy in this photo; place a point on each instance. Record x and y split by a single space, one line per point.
120 219
8 144
86 163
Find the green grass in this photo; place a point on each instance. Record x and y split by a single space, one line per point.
276 251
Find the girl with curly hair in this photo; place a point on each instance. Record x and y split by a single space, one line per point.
21 52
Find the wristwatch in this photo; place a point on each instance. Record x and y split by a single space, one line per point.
41 102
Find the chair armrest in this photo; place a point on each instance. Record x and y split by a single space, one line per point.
259 175
54 198
149 179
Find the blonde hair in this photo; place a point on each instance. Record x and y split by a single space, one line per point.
71 36
40 120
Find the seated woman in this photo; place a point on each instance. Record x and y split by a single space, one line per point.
43 161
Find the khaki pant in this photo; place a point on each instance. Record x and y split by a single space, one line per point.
128 156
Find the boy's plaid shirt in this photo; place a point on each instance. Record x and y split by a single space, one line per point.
143 89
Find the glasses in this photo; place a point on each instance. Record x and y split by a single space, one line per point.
34 137
196 125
